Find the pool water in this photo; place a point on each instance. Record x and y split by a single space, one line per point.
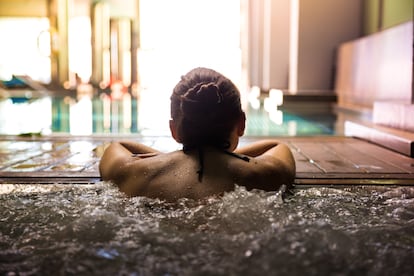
95 230
146 115
292 122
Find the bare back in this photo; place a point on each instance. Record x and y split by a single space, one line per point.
175 175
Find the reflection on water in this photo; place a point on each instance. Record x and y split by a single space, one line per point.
95 230
24 115
98 115
148 113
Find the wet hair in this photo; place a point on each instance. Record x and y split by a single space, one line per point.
205 106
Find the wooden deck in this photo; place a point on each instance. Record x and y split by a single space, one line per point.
319 160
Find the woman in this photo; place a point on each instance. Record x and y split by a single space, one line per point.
207 120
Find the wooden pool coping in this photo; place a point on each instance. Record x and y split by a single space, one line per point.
320 160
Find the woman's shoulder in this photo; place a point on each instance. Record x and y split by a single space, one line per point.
154 160
262 173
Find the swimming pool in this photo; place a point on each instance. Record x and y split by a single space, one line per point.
146 115
95 230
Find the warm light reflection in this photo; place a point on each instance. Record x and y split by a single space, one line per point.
277 96
127 112
25 116
276 116
166 51
81 147
106 103
271 105
154 113
127 115
292 128
254 97
181 35
24 49
106 68
294 46
81 117
47 146
79 47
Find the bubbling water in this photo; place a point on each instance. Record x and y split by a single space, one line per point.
96 230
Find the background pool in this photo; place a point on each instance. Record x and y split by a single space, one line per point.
148 115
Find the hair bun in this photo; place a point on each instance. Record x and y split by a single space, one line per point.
204 93
209 93
197 103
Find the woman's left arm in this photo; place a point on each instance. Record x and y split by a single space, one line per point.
137 148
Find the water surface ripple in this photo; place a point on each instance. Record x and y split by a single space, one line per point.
95 230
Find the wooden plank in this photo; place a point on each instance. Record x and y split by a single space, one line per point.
397 140
41 162
403 162
320 160
48 174
307 166
323 157
49 180
371 177
332 182
15 154
93 167
303 164
360 157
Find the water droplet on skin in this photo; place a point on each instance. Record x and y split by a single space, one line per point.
248 253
